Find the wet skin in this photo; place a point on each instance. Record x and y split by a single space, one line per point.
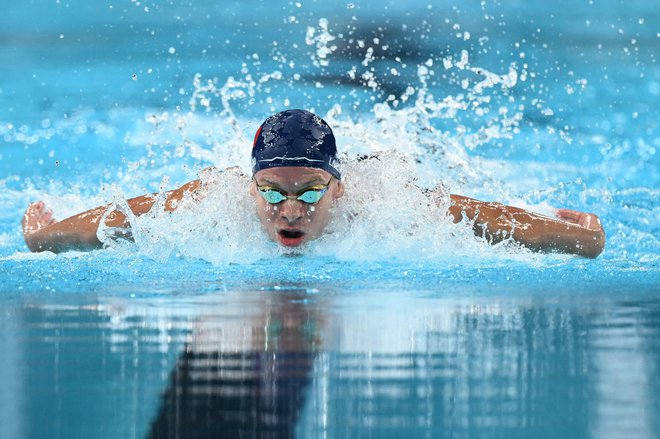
293 222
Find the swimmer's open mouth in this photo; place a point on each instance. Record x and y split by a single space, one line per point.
291 234
290 238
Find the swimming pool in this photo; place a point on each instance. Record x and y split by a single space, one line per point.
394 325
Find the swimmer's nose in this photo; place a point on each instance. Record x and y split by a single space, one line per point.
292 211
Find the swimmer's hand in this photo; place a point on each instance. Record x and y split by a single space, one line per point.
43 233
593 236
36 218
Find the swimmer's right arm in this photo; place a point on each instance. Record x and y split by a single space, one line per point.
42 233
570 231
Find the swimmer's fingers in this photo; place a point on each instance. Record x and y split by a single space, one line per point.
587 220
31 213
568 215
37 216
590 221
37 207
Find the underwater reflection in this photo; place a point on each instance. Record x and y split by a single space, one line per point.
243 377
328 363
285 365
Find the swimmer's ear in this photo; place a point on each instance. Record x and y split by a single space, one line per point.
340 190
252 189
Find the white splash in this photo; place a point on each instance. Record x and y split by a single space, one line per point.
396 200
321 39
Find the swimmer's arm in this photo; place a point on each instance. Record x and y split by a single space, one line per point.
78 232
571 232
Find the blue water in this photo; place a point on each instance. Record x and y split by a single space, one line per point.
373 334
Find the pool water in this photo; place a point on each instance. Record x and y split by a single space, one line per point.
395 324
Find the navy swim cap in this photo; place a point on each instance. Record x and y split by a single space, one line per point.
295 138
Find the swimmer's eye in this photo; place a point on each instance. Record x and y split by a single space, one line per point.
271 195
311 195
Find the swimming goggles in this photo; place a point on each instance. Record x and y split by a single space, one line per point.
310 195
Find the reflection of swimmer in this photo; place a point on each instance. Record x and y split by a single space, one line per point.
243 377
295 183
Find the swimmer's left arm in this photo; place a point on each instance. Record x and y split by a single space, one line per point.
42 233
571 231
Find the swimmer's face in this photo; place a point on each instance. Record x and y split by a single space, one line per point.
293 222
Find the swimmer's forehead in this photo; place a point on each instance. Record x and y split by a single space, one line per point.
292 176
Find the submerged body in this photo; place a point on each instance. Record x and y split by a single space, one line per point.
295 185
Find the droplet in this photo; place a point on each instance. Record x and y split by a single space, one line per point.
171 50
134 76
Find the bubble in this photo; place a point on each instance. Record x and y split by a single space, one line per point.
171 50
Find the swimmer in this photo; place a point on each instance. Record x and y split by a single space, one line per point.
295 183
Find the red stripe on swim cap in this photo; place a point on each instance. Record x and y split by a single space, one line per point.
256 136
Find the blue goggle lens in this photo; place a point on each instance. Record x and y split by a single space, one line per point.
271 196
311 196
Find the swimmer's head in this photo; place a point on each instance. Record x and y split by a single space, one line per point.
295 176
295 138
